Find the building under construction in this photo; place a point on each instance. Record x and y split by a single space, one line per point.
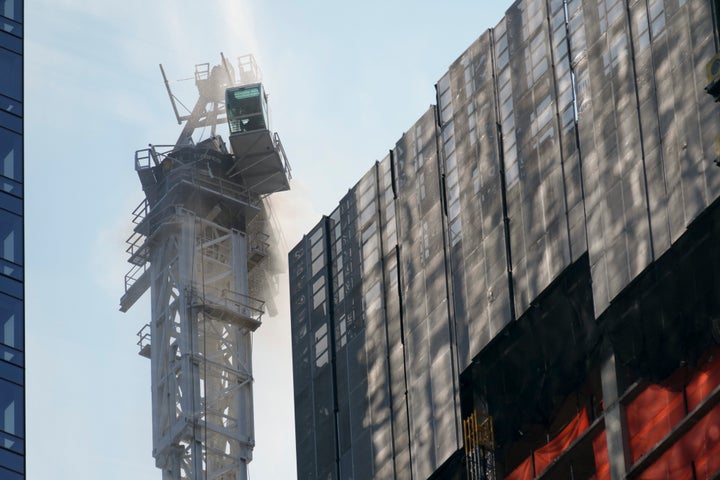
527 286
202 244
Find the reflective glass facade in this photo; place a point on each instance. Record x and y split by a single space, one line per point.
12 342
571 149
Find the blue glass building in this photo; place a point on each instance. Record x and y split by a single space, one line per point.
12 325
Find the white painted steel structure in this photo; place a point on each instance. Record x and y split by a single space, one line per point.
201 244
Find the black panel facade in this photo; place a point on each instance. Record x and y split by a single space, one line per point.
571 149
12 321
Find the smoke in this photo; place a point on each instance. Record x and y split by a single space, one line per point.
293 214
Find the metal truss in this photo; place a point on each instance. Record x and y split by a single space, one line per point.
200 243
201 353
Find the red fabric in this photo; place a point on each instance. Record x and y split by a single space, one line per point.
705 380
651 416
547 454
524 471
700 445
705 439
602 463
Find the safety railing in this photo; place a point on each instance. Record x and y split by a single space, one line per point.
134 274
283 156
236 302
258 244
140 212
202 179
144 340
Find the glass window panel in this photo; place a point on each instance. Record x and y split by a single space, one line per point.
317 250
318 284
366 183
367 232
11 186
454 210
11 372
444 83
448 132
372 297
8 475
450 161
558 19
658 26
11 106
508 126
500 29
577 35
370 247
573 6
366 197
11 203
319 299
322 360
12 409
370 260
540 69
501 43
567 117
615 12
12 461
512 174
507 109
11 43
561 49
13 443
393 275
503 59
535 19
367 213
11 237
11 287
318 264
504 77
11 27
445 99
315 236
446 114
455 231
10 121
12 355
12 9
505 93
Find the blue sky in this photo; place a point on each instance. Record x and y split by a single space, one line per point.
345 80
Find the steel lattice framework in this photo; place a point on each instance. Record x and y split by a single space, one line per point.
201 245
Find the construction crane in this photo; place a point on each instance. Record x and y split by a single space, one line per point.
202 244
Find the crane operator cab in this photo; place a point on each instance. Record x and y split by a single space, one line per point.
260 158
246 108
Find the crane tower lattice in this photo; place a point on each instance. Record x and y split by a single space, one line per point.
201 244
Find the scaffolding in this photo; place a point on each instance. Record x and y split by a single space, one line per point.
201 244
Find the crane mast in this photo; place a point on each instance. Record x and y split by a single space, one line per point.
201 244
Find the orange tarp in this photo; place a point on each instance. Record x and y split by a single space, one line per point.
705 380
545 455
524 471
700 445
657 410
602 464
651 416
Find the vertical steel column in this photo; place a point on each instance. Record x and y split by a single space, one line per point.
614 418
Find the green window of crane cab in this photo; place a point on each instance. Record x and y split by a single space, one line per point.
246 108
